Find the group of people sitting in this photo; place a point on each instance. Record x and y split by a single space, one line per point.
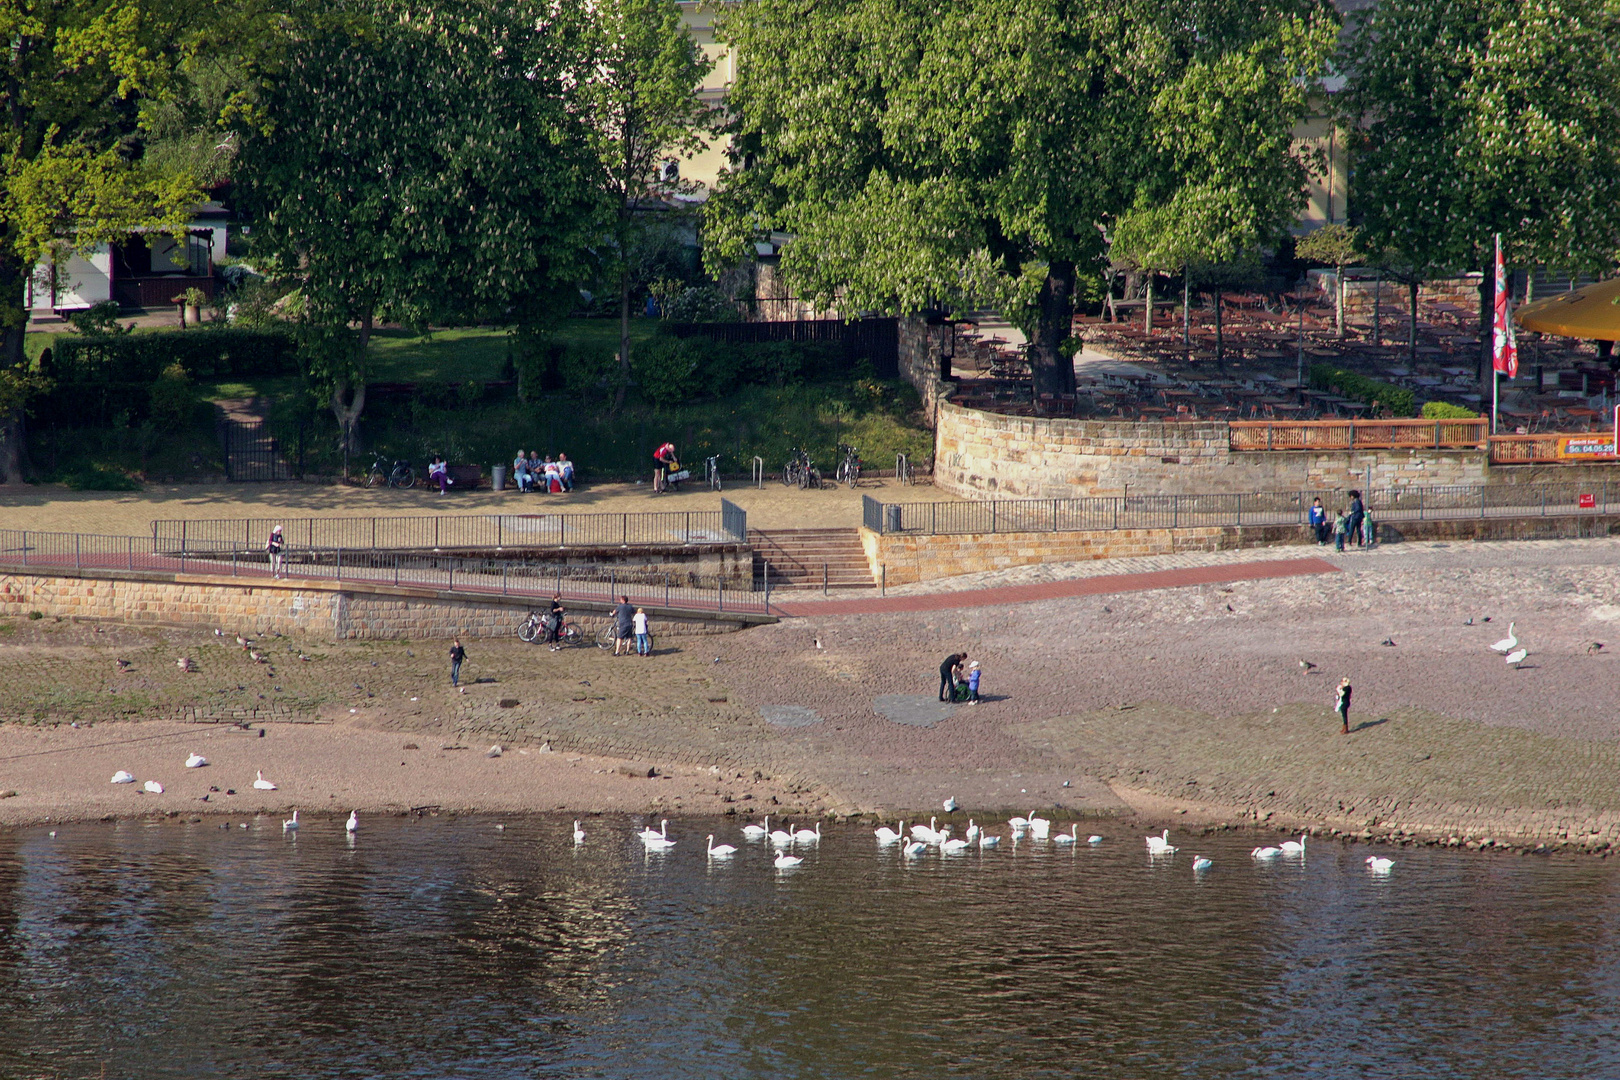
531 473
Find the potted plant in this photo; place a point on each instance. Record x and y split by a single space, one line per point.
191 302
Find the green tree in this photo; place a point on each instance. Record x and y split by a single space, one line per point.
971 153
1332 245
1479 117
417 166
639 98
77 87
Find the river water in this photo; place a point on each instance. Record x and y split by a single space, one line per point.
449 948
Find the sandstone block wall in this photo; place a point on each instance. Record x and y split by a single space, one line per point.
319 609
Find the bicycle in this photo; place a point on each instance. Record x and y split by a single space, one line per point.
533 629
398 475
849 470
800 471
608 636
711 471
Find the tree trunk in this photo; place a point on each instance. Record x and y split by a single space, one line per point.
1338 301
13 423
1411 336
1186 309
348 411
1052 372
1147 310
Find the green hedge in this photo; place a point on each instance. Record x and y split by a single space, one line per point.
206 353
1445 410
1397 400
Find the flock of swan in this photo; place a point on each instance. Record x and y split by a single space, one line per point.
920 839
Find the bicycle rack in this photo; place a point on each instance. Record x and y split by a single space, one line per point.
759 471
902 469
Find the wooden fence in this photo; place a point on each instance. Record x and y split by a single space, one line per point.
1360 434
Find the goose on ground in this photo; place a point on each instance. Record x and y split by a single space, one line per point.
1070 837
953 847
886 835
1039 827
1379 865
720 851
122 777
262 784
579 833
785 861
1265 853
1509 643
196 761
1200 864
808 836
1293 847
986 840
915 848
781 837
757 832
1094 839
1517 656
353 824
928 834
291 824
660 833
154 787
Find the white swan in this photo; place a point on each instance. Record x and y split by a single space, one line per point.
953 847
660 833
972 833
950 805
1380 865
660 843
122 777
915 848
1294 847
291 824
1094 839
757 832
781 837
1070 837
1517 656
1018 824
928 834
196 761
154 787
720 851
262 784
785 861
887 836
1265 853
353 824
808 836
1158 845
579 833
1200 864
1509 643
1039 827
986 840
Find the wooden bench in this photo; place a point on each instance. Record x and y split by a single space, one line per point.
465 477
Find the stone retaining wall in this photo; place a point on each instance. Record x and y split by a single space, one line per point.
322 609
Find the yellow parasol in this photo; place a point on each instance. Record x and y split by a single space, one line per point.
1591 313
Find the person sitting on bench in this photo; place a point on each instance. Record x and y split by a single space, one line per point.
439 473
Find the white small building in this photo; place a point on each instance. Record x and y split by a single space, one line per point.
147 270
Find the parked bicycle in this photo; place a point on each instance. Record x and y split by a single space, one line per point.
711 471
849 469
800 471
398 475
533 629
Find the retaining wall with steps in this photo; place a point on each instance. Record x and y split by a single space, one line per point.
810 558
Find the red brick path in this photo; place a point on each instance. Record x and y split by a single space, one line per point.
1052 590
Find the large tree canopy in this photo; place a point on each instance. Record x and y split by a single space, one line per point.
977 152
417 164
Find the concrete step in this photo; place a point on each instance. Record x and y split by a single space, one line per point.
810 558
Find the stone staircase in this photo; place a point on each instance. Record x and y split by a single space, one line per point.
804 558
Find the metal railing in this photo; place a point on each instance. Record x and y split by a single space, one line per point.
450 573
1358 434
678 528
1213 511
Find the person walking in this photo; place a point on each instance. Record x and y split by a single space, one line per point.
624 619
947 674
643 641
1341 705
457 655
1358 511
274 546
1319 521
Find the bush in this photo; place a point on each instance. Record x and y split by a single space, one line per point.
585 367
703 304
96 478
99 319
668 369
1397 400
1445 410
209 352
173 399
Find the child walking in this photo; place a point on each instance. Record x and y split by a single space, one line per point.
1341 526
973 683
457 655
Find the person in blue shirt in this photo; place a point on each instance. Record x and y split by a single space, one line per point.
973 683
520 472
1319 521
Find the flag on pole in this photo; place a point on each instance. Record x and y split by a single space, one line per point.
1504 350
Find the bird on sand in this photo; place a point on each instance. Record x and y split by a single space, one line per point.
1387 641
1595 647
195 761
154 787
262 784
1509 643
1517 657
1306 666
950 805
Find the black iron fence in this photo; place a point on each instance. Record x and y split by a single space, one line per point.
487 576
677 528
1260 508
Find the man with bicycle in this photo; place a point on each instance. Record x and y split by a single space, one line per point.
624 619
664 463
554 622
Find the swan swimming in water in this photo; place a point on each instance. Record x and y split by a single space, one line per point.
1200 864
1094 839
757 832
291 824
808 836
1159 845
1039 827
1379 865
720 851
785 861
986 840
1070 837
886 835
1265 853
781 837
915 848
660 833
953 847
660 843
1294 847
928 834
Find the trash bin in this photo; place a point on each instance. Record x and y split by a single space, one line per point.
497 477
891 518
